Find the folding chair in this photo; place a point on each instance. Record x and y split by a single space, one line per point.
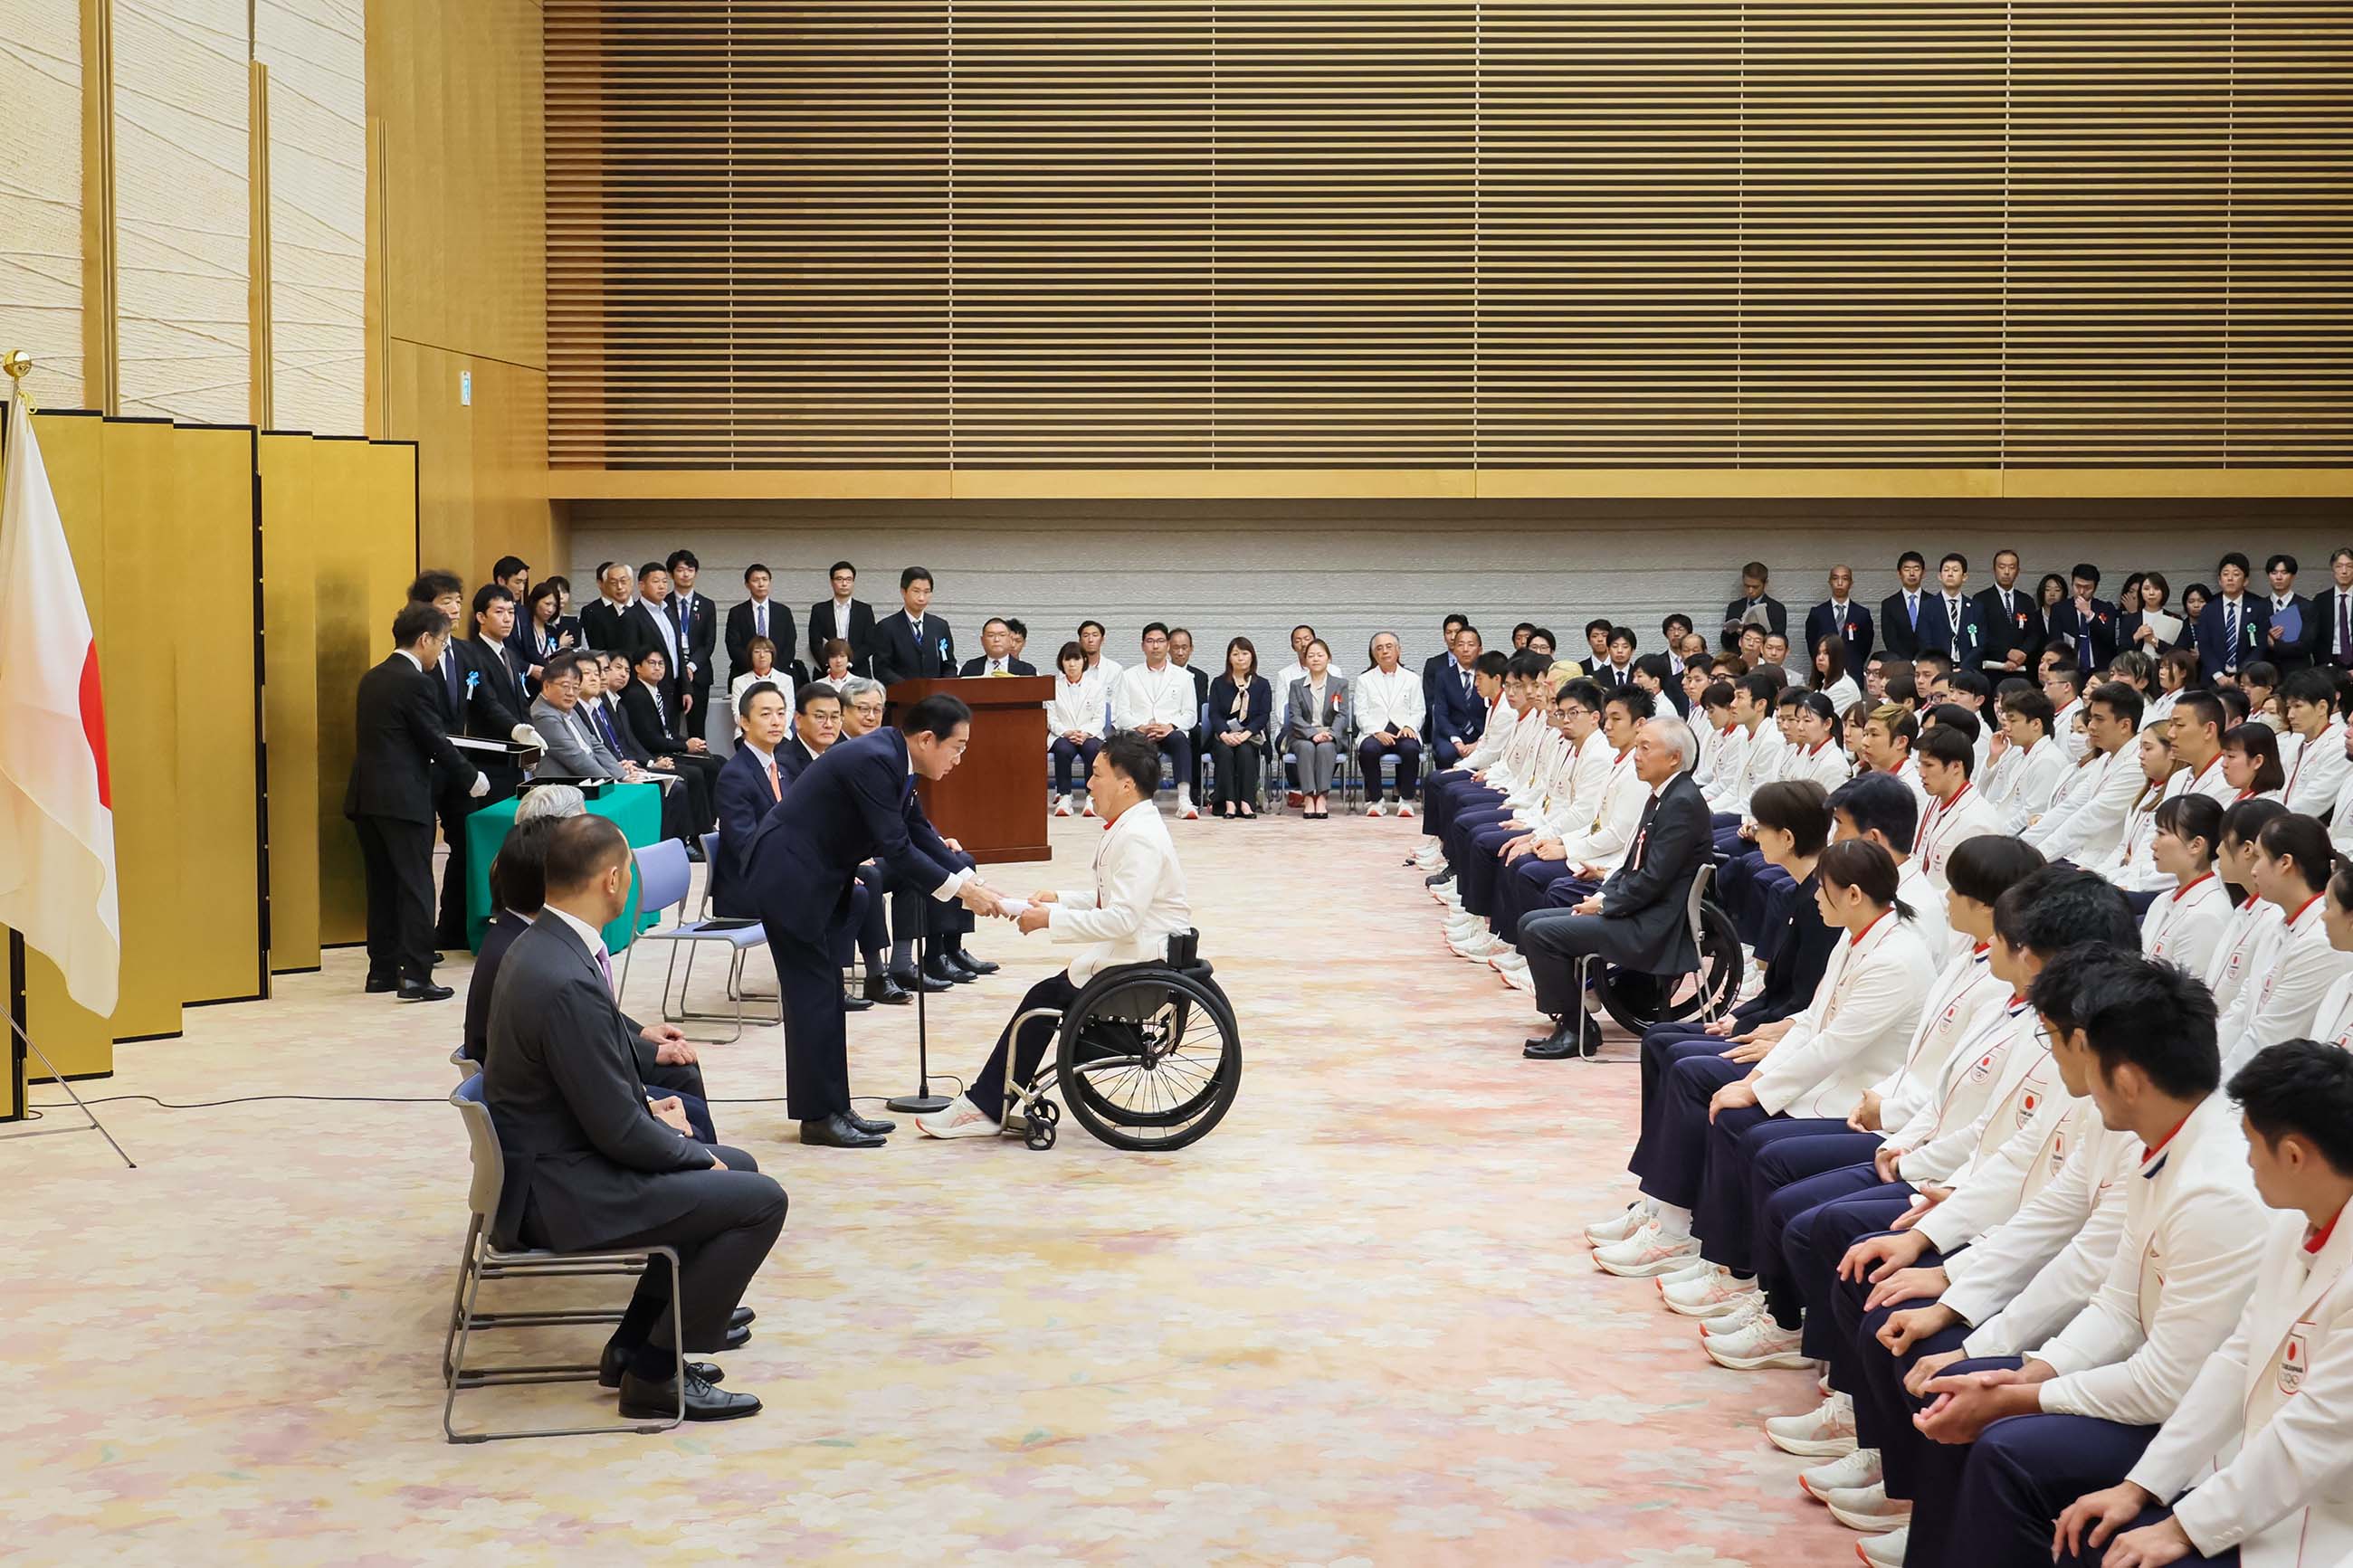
665 877
484 1259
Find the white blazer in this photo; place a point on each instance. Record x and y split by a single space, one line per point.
2031 782
1143 695
1574 798
1941 1136
1728 756
2184 926
2093 824
2279 1000
1390 700
1617 817
1825 764
2320 771
2332 1021
1964 989
2264 1422
2193 1235
1856 1027
2246 934
1137 901
780 678
1946 827
1075 706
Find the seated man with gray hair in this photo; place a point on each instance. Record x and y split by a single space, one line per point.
1636 920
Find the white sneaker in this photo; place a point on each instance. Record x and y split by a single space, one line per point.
1646 1253
1089 811
1692 1271
1426 856
1516 973
962 1119
1464 924
1062 806
1868 1509
1374 809
1825 1432
1884 1551
1710 1295
1483 946
1737 1317
1619 1226
1758 1344
1405 808
1851 1471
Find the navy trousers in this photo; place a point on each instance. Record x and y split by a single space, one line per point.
1481 867
2097 1556
1677 1156
1731 1202
1793 1182
1729 844
1991 1503
1745 886
1405 748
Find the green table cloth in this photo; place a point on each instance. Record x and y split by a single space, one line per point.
634 808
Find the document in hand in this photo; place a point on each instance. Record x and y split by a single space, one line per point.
2289 624
2166 627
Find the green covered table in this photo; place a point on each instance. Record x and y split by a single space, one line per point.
634 808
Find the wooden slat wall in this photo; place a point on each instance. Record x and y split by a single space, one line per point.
1449 234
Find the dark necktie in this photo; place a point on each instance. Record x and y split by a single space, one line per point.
605 725
1912 609
2230 636
452 689
760 620
2344 624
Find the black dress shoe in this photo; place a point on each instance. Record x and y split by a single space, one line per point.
939 968
838 1132
694 851
881 987
737 1336
870 1124
1575 1036
428 992
963 968
613 1364
909 981
438 958
853 1002
742 1317
977 965
643 1400
375 986
1443 873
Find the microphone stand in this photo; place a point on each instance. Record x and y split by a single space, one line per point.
923 1102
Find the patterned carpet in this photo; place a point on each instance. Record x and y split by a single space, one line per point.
1355 1325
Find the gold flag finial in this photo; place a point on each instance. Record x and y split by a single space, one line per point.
18 364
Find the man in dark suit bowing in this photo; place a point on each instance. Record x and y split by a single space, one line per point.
856 801
401 746
1638 921
913 645
589 1162
1840 617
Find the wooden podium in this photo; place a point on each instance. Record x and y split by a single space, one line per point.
995 802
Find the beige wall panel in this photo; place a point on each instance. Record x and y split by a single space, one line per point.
181 99
481 479
78 1040
456 83
40 193
362 570
289 609
316 53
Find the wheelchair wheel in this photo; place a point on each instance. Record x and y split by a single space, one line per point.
1150 1058
1638 1001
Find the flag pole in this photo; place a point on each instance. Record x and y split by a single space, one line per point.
18 363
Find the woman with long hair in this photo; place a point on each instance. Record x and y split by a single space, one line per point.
1830 674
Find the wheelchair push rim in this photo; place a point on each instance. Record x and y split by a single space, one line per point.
1149 1062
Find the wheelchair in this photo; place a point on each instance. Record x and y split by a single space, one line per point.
1636 1001
1147 1057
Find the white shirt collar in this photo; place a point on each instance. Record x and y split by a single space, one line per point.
590 937
767 759
411 658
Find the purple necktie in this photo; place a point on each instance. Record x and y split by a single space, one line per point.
604 966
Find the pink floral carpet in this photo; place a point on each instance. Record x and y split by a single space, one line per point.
1355 1325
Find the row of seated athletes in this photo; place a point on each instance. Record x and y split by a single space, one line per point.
1880 1165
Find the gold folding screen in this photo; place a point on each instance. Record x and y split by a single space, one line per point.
1449 234
165 522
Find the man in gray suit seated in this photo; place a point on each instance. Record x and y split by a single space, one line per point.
574 750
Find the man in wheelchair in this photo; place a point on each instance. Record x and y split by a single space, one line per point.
1136 904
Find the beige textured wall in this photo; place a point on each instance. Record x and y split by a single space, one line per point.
181 219
317 54
40 193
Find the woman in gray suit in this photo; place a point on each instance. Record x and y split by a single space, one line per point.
1314 720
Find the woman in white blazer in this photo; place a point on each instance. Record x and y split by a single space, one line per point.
763 654
2284 987
1074 728
2184 926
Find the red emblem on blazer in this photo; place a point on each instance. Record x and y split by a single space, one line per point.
2293 1358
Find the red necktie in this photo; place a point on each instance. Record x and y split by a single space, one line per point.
774 787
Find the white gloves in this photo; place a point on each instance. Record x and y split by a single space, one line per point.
524 735
481 787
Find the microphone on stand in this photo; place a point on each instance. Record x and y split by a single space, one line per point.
923 1102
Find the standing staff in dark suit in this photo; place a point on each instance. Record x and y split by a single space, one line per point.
1753 602
1952 623
2299 651
760 616
2013 625
2333 643
913 645
844 615
1840 615
2086 623
697 620
400 744
1638 921
650 624
600 623
2234 628
494 707
856 801
588 1163
1900 611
